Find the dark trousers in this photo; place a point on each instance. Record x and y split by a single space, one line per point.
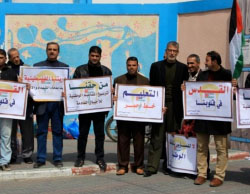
126 131
52 112
84 126
27 132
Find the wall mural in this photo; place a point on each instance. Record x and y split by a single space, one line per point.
119 36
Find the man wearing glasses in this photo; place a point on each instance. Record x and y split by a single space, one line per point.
170 74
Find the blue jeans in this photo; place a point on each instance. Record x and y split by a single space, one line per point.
52 112
5 135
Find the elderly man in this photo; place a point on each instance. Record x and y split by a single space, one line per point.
170 74
130 129
26 126
92 69
50 110
6 73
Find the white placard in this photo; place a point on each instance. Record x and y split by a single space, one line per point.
243 108
181 154
88 95
208 101
13 100
46 84
139 103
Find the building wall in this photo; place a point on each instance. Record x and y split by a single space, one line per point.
202 32
141 29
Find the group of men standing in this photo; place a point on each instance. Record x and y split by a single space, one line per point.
168 73
46 111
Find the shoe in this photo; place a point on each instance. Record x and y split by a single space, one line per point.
38 164
139 171
121 171
199 180
13 161
28 160
5 167
148 173
58 164
102 165
167 171
79 163
215 182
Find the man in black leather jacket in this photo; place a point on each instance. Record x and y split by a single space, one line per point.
92 69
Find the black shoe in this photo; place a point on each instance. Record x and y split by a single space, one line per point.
148 173
28 160
167 171
38 164
5 167
79 163
58 164
13 161
102 165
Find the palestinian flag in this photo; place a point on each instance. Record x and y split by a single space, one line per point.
236 40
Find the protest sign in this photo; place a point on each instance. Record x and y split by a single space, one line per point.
139 103
181 154
46 84
243 108
88 95
208 101
13 100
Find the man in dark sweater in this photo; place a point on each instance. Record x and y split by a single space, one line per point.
170 74
6 73
131 129
50 110
26 126
92 69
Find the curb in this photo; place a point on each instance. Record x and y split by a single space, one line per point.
85 170
231 156
55 172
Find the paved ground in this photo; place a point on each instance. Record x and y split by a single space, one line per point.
237 181
25 179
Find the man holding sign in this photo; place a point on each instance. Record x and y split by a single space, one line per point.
26 126
50 110
219 129
128 129
92 69
6 73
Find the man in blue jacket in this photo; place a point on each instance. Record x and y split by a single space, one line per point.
50 110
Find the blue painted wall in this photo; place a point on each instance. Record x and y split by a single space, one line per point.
168 22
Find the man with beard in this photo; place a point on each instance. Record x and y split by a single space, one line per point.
26 126
219 129
170 74
131 129
92 69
